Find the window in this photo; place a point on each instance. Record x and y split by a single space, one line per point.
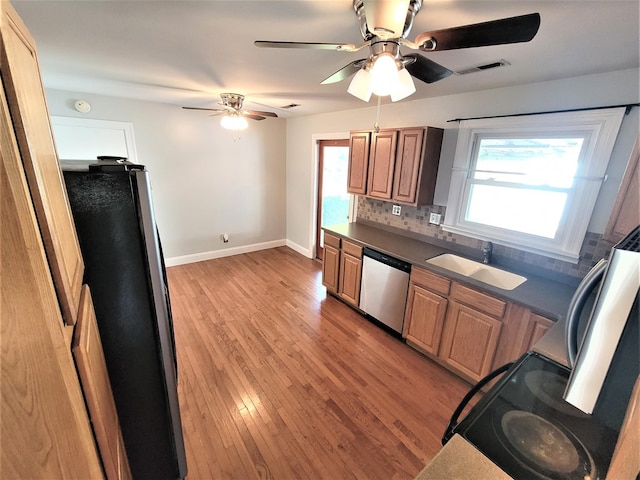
531 182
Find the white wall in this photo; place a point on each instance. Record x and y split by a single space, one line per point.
605 89
205 181
260 189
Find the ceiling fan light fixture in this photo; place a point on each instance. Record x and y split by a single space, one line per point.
384 75
403 87
386 19
234 122
360 86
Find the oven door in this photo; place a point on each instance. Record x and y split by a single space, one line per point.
525 427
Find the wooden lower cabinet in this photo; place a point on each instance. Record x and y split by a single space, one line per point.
424 318
331 268
350 273
536 328
469 341
467 331
342 268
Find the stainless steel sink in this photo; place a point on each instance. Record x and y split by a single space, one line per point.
478 271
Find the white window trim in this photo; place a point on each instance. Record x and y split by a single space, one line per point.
601 128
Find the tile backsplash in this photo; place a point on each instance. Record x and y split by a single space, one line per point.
415 222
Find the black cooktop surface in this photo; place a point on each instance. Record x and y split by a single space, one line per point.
525 427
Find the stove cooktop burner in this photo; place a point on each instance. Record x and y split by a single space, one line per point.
549 388
544 448
525 427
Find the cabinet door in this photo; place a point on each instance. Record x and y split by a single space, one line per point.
536 328
625 215
469 340
92 368
330 268
358 162
407 166
381 163
45 431
424 318
25 94
350 277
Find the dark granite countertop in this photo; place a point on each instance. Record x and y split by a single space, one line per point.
544 296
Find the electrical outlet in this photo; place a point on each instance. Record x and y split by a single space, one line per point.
435 218
395 210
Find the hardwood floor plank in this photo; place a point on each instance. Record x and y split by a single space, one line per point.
277 380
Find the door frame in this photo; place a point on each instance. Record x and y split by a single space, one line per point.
319 175
313 190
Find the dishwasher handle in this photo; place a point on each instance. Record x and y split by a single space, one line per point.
387 260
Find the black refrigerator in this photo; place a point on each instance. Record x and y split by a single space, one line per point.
124 267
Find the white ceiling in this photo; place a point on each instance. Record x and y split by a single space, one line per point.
188 52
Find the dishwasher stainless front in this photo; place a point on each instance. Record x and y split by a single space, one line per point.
383 293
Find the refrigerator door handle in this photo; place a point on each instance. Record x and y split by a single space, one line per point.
590 281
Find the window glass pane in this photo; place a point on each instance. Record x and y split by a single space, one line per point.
530 161
335 198
523 210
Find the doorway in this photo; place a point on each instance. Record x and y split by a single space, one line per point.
334 202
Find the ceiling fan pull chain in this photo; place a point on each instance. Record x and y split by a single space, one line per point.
376 126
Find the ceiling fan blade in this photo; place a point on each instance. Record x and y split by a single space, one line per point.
207 109
260 113
311 45
496 32
253 117
426 70
345 72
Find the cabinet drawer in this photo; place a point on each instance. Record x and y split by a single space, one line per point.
431 281
479 301
331 240
352 249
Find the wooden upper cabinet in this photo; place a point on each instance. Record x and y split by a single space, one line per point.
30 118
381 163
405 176
400 165
625 215
358 162
416 168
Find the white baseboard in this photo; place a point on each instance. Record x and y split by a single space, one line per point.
301 250
226 252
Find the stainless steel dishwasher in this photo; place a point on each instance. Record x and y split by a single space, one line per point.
383 292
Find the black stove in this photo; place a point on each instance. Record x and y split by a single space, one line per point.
525 427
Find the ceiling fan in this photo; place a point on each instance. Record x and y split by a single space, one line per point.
384 26
234 117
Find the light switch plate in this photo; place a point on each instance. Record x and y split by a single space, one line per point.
435 218
395 210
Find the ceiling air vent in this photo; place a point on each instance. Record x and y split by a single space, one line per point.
486 66
291 105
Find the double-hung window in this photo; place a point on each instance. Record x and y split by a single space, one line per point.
531 182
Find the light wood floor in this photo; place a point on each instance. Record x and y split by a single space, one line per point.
279 380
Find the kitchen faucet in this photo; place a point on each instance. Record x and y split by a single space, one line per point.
486 253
